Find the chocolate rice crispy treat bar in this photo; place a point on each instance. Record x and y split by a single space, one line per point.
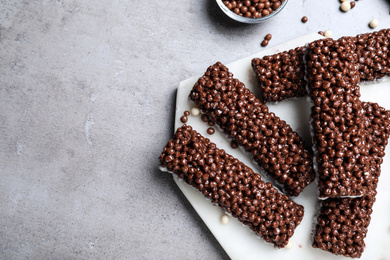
342 223
373 52
340 137
232 185
243 118
281 76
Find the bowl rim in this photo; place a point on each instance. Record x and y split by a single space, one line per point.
244 19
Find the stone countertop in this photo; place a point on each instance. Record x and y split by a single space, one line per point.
87 96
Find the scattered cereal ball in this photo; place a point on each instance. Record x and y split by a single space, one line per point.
353 4
345 6
304 19
184 119
374 23
266 40
210 130
264 43
195 111
328 34
224 219
289 245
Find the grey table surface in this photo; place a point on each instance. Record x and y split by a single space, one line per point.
87 102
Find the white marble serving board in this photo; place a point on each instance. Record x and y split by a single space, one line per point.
239 241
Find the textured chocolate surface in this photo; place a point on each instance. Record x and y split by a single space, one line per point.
338 122
270 140
281 76
373 52
342 223
233 186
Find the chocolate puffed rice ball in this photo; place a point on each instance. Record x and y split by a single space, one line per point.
253 8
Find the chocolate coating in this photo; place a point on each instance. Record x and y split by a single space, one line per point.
372 50
271 141
233 186
342 224
337 123
281 76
